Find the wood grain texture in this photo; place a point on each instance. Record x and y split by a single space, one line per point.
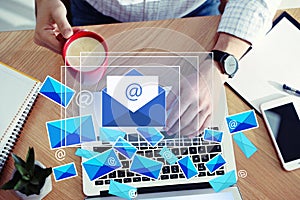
266 178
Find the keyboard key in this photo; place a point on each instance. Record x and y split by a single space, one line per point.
214 148
174 176
101 149
125 164
170 143
104 177
107 182
181 176
175 169
121 173
161 160
162 144
220 172
145 179
201 167
156 153
118 180
210 174
112 175
201 174
204 158
130 174
196 141
196 158
212 155
141 153
149 154
166 170
127 180
201 150
175 151
100 182
184 151
137 179
164 177
121 157
193 150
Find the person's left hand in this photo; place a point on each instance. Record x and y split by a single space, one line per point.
196 101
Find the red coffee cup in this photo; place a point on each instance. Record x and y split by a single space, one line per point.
91 66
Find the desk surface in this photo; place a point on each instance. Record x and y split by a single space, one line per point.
265 180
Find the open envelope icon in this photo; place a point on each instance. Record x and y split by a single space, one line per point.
101 164
146 166
241 121
64 171
56 91
222 182
244 144
122 190
213 135
115 114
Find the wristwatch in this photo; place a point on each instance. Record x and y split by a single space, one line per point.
229 64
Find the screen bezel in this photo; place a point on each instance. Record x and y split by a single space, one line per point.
273 104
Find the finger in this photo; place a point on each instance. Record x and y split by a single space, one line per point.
60 18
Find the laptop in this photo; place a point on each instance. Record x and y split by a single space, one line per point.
172 182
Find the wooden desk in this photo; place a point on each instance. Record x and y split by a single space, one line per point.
266 179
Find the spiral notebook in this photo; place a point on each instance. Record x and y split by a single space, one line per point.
17 95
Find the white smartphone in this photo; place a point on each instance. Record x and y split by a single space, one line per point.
283 123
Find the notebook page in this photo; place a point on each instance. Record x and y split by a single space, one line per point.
14 88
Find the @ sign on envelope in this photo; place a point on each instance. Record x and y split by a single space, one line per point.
242 121
133 100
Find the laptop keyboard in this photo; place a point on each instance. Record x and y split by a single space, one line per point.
198 149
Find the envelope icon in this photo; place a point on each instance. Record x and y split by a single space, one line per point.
115 114
64 171
122 190
213 135
125 148
187 166
222 182
56 91
215 163
146 166
101 164
244 144
70 131
151 135
85 153
241 121
110 135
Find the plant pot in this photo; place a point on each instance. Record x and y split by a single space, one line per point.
46 189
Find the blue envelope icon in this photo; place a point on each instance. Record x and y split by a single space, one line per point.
125 148
85 153
146 166
151 135
215 163
70 131
122 190
56 91
244 144
64 171
110 135
187 166
213 135
101 164
222 182
115 114
241 121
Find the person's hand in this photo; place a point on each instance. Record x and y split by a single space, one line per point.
196 101
52 27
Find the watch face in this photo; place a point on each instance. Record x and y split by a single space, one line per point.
230 65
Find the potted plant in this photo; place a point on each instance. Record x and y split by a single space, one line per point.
31 179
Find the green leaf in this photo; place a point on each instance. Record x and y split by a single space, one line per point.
30 160
20 185
11 183
18 160
22 170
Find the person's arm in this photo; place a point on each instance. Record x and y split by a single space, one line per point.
243 23
51 21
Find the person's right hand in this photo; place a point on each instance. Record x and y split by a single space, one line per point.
51 24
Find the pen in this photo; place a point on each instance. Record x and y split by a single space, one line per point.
288 88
